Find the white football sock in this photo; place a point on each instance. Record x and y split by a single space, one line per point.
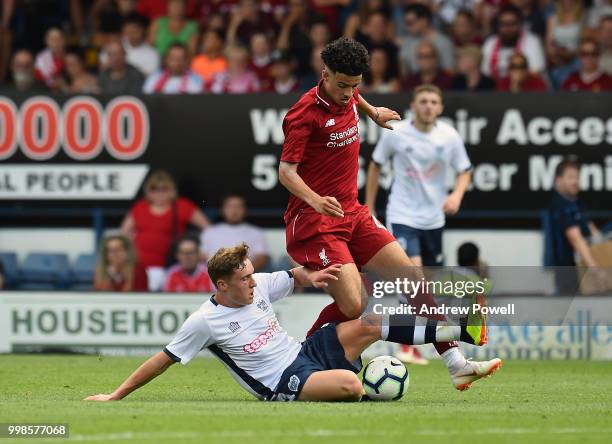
454 359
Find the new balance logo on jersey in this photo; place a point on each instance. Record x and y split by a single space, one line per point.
324 259
330 122
234 326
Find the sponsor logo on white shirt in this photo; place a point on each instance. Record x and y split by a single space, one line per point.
262 339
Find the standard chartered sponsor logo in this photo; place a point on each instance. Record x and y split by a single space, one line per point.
338 140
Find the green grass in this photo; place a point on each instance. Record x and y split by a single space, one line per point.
534 402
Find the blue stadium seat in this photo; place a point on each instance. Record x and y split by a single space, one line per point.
36 286
83 269
46 268
81 287
11 268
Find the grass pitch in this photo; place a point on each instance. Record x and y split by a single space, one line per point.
534 402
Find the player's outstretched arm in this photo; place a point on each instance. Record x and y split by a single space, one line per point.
305 277
151 368
379 114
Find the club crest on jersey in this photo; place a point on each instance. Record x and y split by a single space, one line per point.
262 305
234 326
330 122
324 259
294 383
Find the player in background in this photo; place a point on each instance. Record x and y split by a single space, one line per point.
422 150
239 326
325 224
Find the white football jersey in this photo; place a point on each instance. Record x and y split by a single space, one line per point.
420 164
248 340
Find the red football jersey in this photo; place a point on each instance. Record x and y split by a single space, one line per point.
575 82
323 138
178 281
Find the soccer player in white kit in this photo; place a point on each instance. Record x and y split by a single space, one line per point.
422 150
239 327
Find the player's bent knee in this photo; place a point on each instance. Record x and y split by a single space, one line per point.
352 388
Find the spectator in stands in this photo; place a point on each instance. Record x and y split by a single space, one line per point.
448 10
296 33
234 230
464 30
238 78
589 77
570 230
283 78
376 36
380 79
469 77
564 27
419 21
249 19
510 38
140 54
605 40
519 78
428 69
49 63
174 28
312 77
330 10
211 60
189 274
116 268
176 78
356 20
109 18
319 33
78 79
155 221
261 60
119 77
533 18
598 12
23 75
468 258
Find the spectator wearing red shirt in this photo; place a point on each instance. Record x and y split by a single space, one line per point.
189 275
589 77
261 59
238 79
117 269
519 78
158 219
429 71
49 63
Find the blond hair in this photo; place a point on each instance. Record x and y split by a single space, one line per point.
102 279
160 178
227 260
426 87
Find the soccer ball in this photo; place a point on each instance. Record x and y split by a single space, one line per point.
385 378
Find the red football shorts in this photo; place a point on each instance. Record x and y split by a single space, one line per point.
317 241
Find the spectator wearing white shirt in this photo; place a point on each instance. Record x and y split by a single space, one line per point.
234 230
511 37
176 78
138 52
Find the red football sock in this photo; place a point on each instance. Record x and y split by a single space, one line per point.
331 313
441 347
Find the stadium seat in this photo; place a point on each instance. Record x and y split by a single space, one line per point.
11 268
83 269
36 286
81 287
46 268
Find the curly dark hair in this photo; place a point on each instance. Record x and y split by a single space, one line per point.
346 56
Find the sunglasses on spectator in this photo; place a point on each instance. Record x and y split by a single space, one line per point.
589 53
160 189
517 66
188 252
508 23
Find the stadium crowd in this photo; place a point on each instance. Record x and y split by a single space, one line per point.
245 46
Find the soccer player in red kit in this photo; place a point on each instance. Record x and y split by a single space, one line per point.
325 224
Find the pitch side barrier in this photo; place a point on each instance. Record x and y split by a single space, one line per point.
95 151
532 327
